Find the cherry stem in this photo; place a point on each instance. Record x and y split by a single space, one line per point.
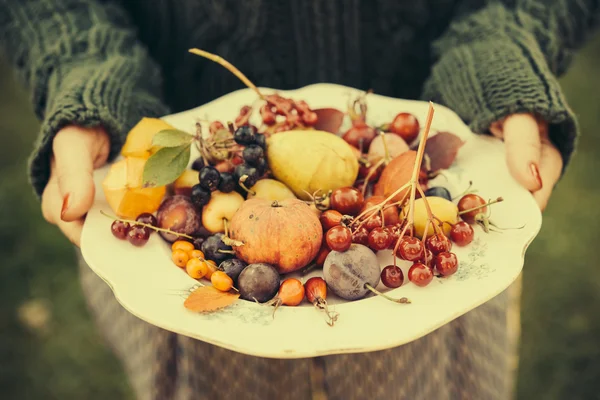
372 171
402 300
229 67
385 147
466 191
308 268
431 218
489 203
243 186
157 229
398 242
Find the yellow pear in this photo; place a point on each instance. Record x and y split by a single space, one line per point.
311 160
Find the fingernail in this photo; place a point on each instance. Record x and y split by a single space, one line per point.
65 206
536 174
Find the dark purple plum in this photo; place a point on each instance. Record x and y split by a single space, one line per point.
347 273
233 267
259 282
178 214
214 249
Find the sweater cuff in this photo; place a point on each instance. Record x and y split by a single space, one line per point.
97 95
486 81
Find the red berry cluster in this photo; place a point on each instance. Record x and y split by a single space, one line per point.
136 234
349 221
281 114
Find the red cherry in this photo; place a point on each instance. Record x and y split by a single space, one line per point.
395 230
446 263
147 218
373 222
339 238
420 274
364 171
360 132
406 126
390 214
380 238
469 201
347 200
138 235
438 243
361 236
119 229
392 276
411 249
330 218
462 233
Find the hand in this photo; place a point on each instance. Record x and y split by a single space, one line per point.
531 157
69 194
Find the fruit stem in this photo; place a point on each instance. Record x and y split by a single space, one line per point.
226 226
155 228
275 203
374 209
372 171
402 300
308 268
243 186
321 304
419 160
398 242
489 203
226 251
466 191
229 67
430 216
385 147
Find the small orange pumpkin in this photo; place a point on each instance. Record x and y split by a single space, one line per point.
286 234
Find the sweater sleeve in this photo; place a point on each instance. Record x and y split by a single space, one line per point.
82 64
501 60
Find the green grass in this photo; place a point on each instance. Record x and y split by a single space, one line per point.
49 348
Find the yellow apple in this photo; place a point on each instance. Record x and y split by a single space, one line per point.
221 207
139 138
270 189
183 184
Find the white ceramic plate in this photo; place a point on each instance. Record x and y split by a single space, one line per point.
146 282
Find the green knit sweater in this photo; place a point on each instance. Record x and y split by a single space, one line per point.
106 62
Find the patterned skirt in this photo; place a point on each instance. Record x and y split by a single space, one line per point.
469 358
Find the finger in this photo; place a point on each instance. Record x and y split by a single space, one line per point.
74 155
51 209
523 150
551 165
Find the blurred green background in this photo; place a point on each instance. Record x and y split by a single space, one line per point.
49 348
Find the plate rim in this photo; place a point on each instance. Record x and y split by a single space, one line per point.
291 354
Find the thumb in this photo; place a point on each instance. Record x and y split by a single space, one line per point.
76 151
523 150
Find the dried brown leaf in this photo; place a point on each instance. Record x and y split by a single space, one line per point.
207 299
442 149
329 119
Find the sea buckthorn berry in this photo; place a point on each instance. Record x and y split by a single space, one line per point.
196 269
221 281
182 245
212 268
180 257
196 254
